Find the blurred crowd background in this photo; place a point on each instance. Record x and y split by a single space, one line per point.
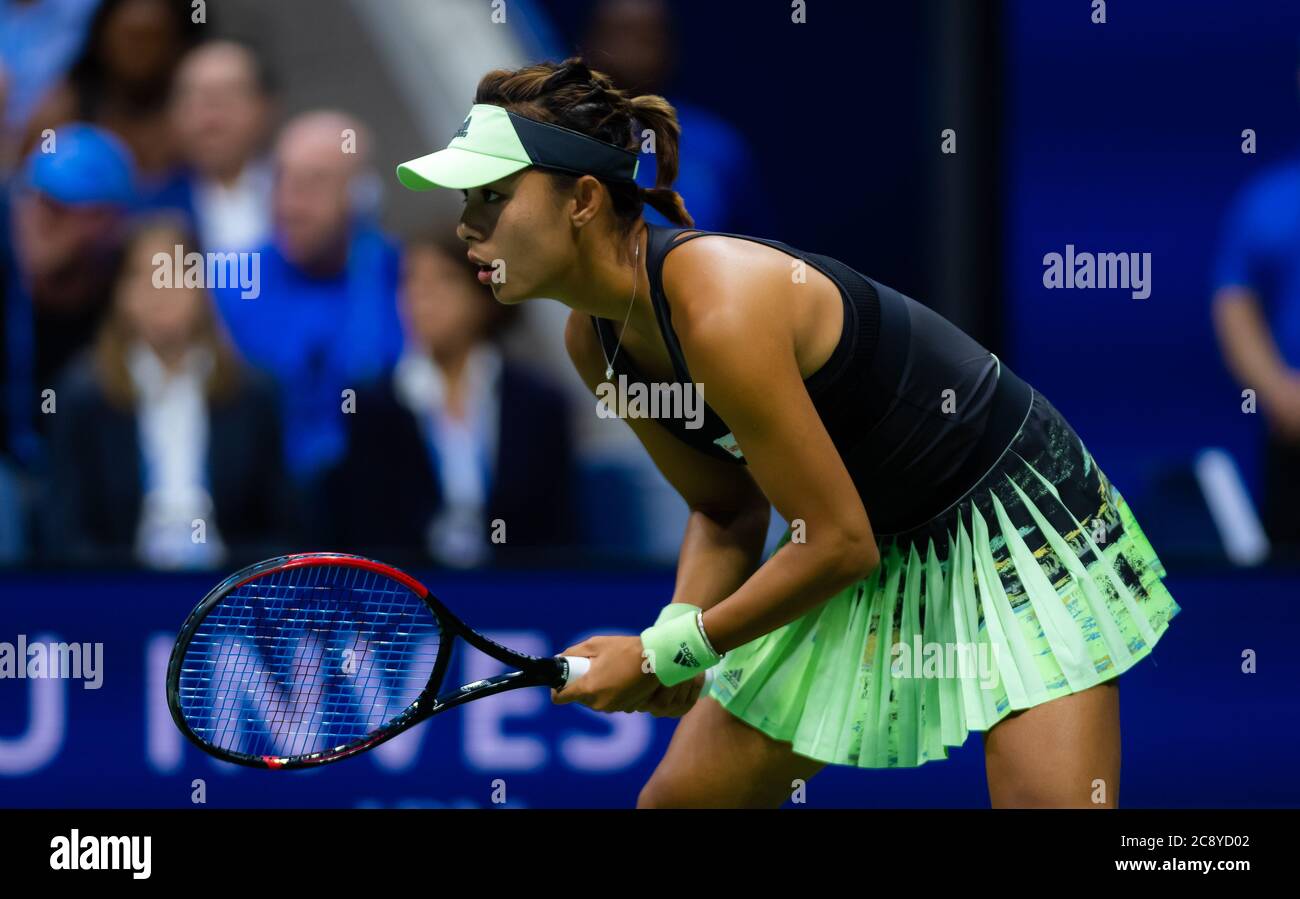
372 397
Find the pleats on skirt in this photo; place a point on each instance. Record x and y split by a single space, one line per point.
1038 583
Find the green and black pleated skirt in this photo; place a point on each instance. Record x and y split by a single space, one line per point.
1037 583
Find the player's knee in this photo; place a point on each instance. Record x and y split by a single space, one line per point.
651 796
658 792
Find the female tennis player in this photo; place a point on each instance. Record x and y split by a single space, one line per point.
955 559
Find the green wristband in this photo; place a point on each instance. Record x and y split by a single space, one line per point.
673 609
677 649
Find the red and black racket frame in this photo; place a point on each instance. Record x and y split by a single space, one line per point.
533 671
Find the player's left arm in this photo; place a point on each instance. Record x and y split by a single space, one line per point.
739 341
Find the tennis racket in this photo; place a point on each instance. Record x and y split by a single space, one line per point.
312 658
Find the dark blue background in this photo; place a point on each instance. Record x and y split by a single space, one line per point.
1126 137
834 110
1197 731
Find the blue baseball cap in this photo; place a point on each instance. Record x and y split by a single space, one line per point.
88 165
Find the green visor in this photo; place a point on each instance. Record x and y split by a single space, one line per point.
494 142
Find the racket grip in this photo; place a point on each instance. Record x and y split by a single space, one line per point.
580 665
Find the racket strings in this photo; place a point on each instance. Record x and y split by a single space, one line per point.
306 660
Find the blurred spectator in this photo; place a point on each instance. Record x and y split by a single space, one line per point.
68 206
633 42
38 41
324 319
1257 317
163 445
121 80
222 110
459 437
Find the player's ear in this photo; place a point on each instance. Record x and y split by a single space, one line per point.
589 197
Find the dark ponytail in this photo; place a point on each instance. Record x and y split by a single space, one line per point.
655 113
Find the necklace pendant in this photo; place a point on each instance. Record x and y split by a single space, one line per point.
609 373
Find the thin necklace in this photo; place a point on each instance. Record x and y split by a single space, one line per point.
609 361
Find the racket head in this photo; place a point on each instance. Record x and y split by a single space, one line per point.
307 659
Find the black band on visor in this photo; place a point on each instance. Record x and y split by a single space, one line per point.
565 150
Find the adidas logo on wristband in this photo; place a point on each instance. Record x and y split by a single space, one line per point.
685 658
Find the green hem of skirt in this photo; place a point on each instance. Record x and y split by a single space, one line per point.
1047 602
809 750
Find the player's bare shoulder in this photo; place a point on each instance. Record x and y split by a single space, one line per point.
720 283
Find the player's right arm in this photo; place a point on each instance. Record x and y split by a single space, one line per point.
729 514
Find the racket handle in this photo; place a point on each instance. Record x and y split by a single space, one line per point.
580 665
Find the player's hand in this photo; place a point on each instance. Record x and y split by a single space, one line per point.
619 679
673 702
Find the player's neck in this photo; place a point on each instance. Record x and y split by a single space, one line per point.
602 285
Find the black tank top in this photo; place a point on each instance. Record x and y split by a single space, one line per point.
917 409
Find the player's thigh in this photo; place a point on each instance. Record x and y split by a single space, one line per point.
1062 754
715 760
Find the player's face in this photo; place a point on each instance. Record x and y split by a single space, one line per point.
518 231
